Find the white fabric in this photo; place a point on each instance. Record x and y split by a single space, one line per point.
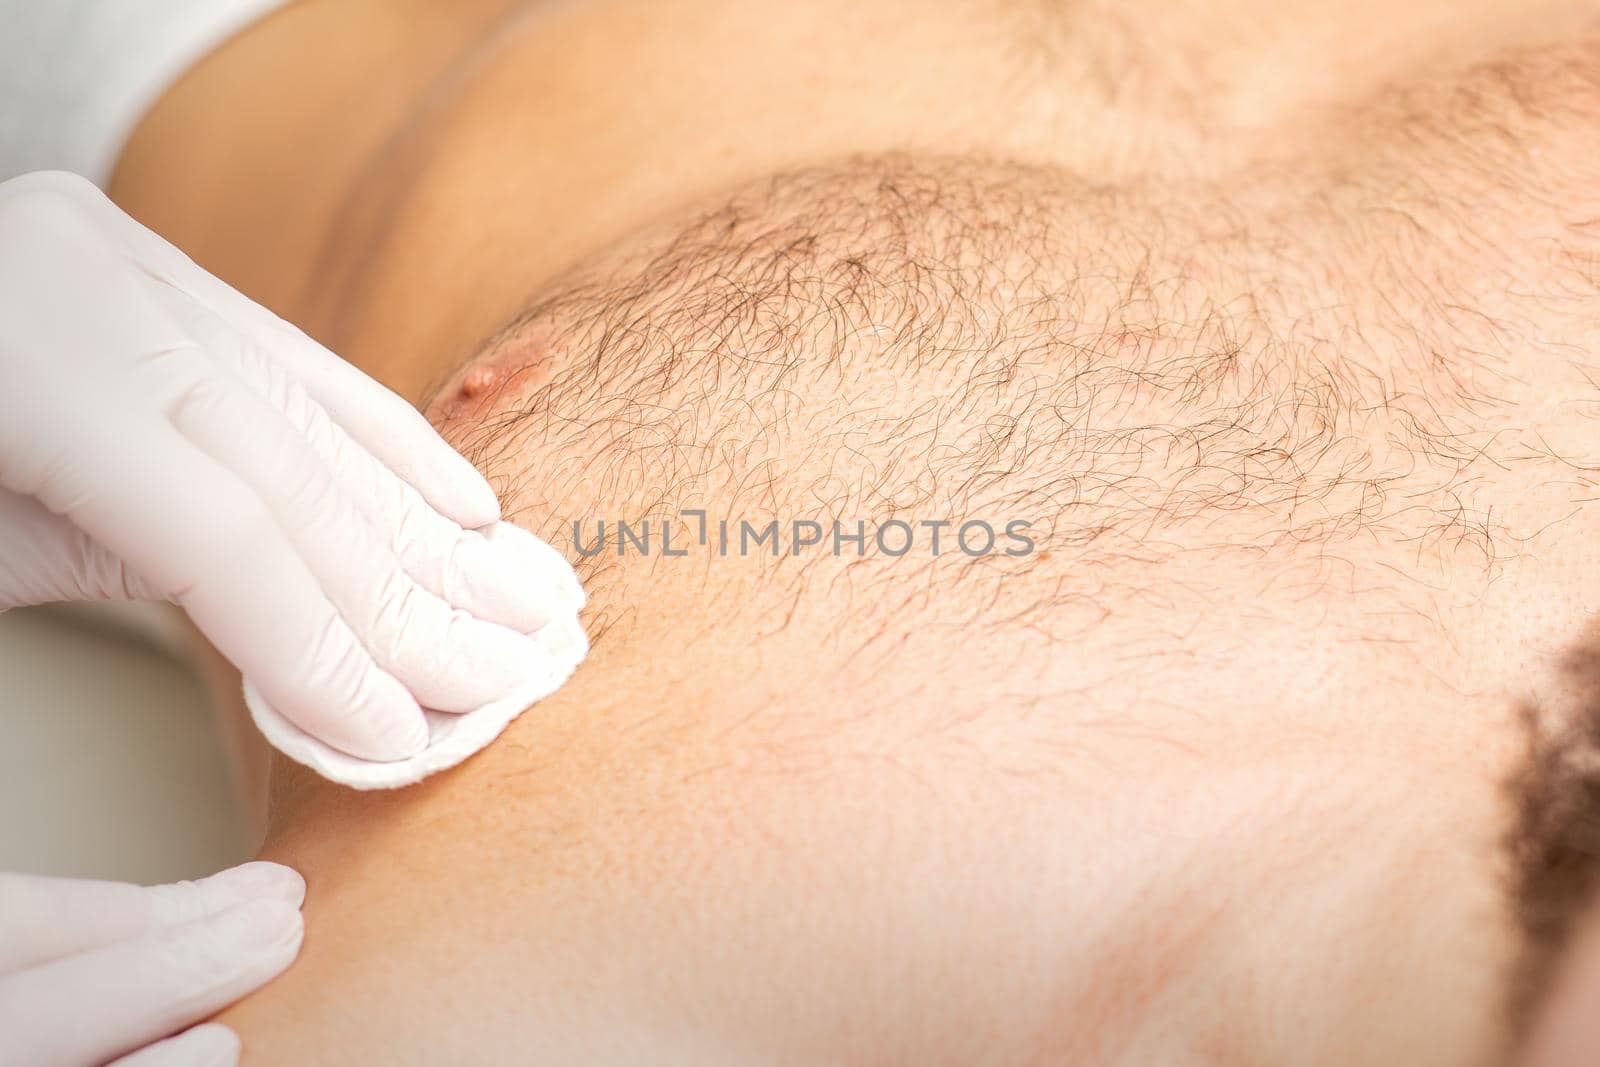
451 738
76 76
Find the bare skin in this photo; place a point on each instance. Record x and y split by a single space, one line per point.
1253 815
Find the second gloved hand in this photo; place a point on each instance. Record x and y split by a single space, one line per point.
90 970
162 436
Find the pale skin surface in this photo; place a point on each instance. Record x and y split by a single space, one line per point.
1253 817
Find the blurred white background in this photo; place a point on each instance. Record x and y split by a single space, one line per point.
109 764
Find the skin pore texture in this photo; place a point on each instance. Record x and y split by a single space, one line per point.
1280 340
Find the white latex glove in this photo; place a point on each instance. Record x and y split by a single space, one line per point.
161 436
94 970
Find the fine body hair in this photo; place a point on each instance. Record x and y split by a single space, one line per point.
1134 375
1142 375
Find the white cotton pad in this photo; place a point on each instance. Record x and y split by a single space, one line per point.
451 738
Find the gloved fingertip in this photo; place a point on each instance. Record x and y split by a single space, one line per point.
206 1045
473 504
398 740
528 668
258 925
260 879
527 582
556 573
383 723
211 1044
413 740
251 943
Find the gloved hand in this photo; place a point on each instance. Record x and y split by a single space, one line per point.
161 436
93 970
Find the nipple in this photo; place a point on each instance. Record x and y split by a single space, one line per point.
479 381
522 363
463 397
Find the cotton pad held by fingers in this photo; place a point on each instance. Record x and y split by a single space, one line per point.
561 645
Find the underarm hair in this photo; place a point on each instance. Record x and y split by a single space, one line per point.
1553 844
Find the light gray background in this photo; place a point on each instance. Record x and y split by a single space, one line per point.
109 765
